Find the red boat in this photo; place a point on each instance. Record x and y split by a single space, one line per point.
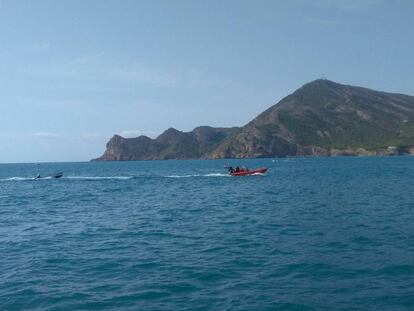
246 172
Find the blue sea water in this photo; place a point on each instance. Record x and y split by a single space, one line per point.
313 234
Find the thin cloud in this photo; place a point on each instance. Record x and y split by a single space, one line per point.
79 67
88 136
96 67
142 74
101 68
47 135
34 135
43 135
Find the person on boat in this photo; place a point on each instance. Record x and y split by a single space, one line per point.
237 169
231 169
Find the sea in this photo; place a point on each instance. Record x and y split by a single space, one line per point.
311 234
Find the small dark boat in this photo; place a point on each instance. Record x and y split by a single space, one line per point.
247 172
56 175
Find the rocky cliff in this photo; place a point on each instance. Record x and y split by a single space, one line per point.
172 144
321 118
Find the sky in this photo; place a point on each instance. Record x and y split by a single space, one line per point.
75 72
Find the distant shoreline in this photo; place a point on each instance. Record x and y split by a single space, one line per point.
203 159
270 158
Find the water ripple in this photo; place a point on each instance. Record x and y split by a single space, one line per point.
314 234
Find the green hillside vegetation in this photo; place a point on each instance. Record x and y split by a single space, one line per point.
320 118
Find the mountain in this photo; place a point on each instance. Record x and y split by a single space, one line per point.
320 118
172 144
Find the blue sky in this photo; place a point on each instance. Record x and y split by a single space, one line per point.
73 73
